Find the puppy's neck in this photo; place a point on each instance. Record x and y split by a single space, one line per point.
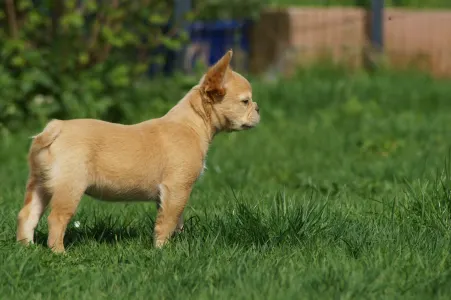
193 112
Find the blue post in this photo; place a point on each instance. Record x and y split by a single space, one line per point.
377 23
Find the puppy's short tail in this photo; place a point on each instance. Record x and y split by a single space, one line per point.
47 136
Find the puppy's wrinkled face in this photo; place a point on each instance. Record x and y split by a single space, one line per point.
237 107
231 97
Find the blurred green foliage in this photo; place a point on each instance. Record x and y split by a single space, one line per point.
231 9
77 58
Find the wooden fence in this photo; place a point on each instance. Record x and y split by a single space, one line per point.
412 38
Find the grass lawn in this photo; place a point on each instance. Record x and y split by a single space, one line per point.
342 192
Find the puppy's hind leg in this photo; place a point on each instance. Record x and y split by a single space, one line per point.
63 204
35 203
173 199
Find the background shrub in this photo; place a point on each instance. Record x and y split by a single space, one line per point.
78 58
208 10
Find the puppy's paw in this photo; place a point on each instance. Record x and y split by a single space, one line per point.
159 243
59 251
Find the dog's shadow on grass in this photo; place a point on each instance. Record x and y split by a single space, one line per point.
100 233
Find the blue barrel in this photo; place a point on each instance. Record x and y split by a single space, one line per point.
214 38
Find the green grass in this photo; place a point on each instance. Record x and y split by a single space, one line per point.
342 192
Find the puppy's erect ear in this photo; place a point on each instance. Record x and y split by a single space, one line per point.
214 80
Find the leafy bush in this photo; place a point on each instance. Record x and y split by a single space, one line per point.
77 58
232 9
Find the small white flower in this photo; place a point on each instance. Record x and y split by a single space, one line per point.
77 224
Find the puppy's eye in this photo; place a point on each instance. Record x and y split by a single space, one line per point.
246 102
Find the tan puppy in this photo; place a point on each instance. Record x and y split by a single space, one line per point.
158 160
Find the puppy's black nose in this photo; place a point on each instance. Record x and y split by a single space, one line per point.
257 108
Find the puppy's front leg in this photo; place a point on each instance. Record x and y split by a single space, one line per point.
179 227
173 199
